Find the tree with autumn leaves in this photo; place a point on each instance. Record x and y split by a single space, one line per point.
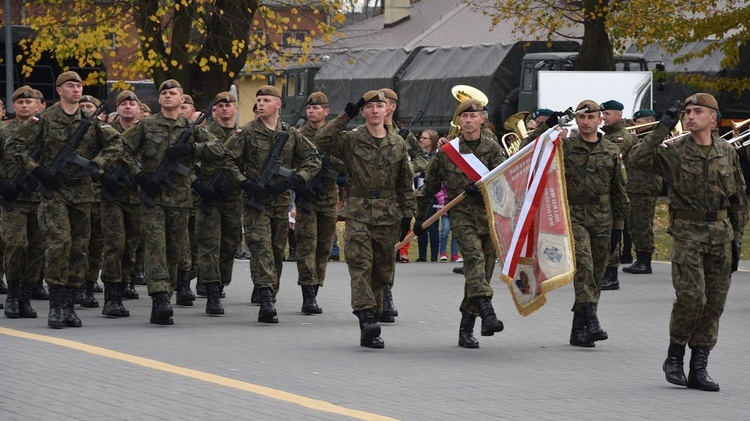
203 44
610 26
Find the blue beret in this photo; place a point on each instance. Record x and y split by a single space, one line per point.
542 112
612 105
718 116
643 113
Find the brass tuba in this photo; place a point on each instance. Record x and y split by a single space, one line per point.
517 125
462 93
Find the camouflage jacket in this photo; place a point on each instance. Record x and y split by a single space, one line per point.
209 169
641 183
250 147
331 196
697 183
126 195
442 169
50 130
417 152
592 173
8 166
617 134
153 135
378 166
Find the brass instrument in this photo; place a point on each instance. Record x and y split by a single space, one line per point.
462 93
517 125
641 126
737 126
736 141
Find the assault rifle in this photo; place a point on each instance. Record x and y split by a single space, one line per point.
221 187
271 167
68 154
316 184
163 172
120 174
24 182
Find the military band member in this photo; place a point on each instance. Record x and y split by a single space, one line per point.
643 190
152 140
266 220
614 131
468 221
65 218
708 212
381 193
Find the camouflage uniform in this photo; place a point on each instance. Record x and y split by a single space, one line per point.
379 177
469 218
315 226
643 190
708 209
266 230
166 223
617 134
66 256
219 233
23 253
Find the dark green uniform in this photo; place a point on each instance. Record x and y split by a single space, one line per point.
617 134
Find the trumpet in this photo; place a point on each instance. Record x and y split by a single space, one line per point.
641 126
735 141
675 137
462 93
517 125
737 126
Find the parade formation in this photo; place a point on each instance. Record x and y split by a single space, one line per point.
159 200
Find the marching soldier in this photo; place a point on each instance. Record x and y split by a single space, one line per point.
380 195
23 255
643 190
153 140
708 212
468 221
219 232
121 225
614 131
266 218
65 218
316 212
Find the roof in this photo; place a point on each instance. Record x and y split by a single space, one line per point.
708 64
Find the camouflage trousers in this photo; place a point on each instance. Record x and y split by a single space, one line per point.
314 231
641 222
701 276
266 237
23 256
96 244
592 252
218 236
370 259
479 263
189 257
165 234
67 228
121 227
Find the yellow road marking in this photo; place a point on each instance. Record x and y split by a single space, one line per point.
268 392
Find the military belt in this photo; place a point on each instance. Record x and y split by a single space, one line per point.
179 178
699 215
371 194
588 200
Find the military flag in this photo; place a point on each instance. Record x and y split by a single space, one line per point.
530 223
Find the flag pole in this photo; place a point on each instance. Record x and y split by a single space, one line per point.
432 219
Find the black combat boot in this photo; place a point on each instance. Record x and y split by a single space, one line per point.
97 288
88 300
24 302
626 257
698 377
309 305
466 337
255 297
213 303
39 293
3 287
55 320
139 279
185 296
267 313
292 255
610 282
128 290
11 300
222 294
200 288
69 311
161 311
119 294
594 331
490 322
641 266
369 330
389 313
110 308
673 365
578 332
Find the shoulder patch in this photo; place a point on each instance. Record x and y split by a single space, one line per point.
239 130
34 118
